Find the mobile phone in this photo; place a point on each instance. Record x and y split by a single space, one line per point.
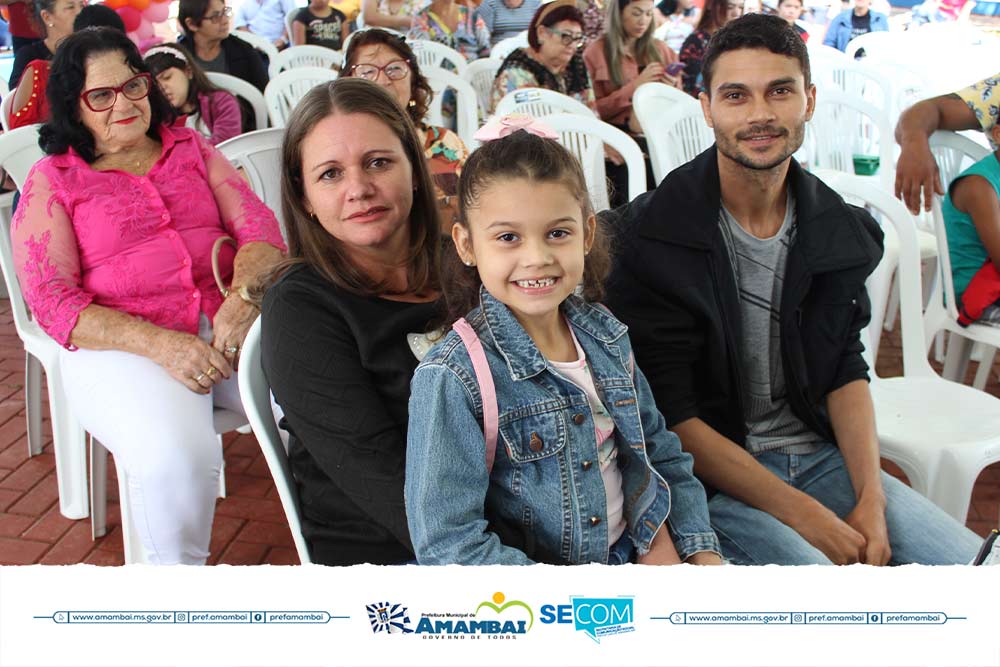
673 69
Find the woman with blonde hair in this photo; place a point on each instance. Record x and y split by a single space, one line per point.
342 324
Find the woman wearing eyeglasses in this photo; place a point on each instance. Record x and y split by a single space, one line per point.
113 244
386 59
206 35
552 59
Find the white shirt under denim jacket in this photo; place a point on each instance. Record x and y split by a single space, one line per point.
546 480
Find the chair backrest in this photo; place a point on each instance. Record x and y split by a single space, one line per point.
895 218
504 47
585 138
289 19
540 102
481 74
257 42
857 79
675 135
845 126
244 90
258 154
307 55
5 106
466 105
256 397
19 151
875 44
284 91
436 54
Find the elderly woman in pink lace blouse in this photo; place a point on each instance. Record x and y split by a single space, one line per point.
113 241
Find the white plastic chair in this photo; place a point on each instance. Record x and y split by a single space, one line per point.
256 397
284 91
942 434
258 154
257 42
504 47
436 54
857 79
19 151
481 74
875 44
5 105
676 132
244 90
466 105
540 102
585 138
289 20
307 55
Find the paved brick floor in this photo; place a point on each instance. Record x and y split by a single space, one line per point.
249 525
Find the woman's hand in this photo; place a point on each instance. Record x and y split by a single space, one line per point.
231 325
189 360
651 73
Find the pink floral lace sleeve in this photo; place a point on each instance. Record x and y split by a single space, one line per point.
138 244
47 258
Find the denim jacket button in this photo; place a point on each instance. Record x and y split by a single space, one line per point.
594 520
578 418
535 444
586 465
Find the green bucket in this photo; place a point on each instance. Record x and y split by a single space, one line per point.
865 165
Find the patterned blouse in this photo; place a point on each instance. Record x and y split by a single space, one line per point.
141 245
692 53
520 70
471 38
593 21
983 97
446 154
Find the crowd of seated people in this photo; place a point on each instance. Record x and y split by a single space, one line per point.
411 266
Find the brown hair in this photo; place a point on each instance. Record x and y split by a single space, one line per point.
420 89
182 60
308 242
525 156
713 15
550 14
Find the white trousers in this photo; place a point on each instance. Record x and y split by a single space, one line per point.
162 434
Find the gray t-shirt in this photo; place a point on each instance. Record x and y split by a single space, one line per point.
218 64
759 265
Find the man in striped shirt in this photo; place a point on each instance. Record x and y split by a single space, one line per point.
506 18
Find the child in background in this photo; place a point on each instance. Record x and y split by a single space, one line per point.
567 459
321 25
791 11
200 105
971 211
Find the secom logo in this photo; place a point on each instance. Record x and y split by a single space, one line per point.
597 617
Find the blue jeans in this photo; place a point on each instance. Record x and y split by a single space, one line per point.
622 551
919 531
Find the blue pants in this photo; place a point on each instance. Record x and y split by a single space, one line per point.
919 531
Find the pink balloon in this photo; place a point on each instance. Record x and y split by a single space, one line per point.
145 30
158 12
131 17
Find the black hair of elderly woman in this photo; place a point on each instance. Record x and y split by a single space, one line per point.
64 129
98 16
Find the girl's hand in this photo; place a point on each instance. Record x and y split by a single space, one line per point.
189 360
231 325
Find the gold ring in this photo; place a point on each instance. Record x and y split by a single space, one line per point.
198 378
211 371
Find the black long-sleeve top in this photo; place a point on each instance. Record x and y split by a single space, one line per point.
339 366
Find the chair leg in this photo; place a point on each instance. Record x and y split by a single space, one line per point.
33 402
98 488
956 360
985 366
70 443
893 308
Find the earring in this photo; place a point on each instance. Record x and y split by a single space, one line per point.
51 25
469 262
411 103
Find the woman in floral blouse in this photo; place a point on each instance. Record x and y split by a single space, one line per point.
453 25
552 59
387 60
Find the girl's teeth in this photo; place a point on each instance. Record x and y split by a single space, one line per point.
536 283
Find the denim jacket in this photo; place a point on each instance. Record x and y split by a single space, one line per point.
545 478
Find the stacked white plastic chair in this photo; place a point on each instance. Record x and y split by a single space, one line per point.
258 154
307 55
245 90
674 125
481 74
256 397
466 104
505 47
941 433
19 151
284 91
436 54
257 42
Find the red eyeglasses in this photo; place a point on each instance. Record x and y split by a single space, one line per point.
102 99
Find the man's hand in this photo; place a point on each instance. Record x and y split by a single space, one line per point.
838 541
868 518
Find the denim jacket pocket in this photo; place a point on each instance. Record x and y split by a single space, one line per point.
530 435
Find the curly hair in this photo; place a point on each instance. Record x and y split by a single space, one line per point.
420 88
65 130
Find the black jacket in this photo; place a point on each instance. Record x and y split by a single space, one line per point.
674 285
242 60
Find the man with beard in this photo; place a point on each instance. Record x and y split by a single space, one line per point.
742 280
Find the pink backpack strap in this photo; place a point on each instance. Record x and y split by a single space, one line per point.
486 388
